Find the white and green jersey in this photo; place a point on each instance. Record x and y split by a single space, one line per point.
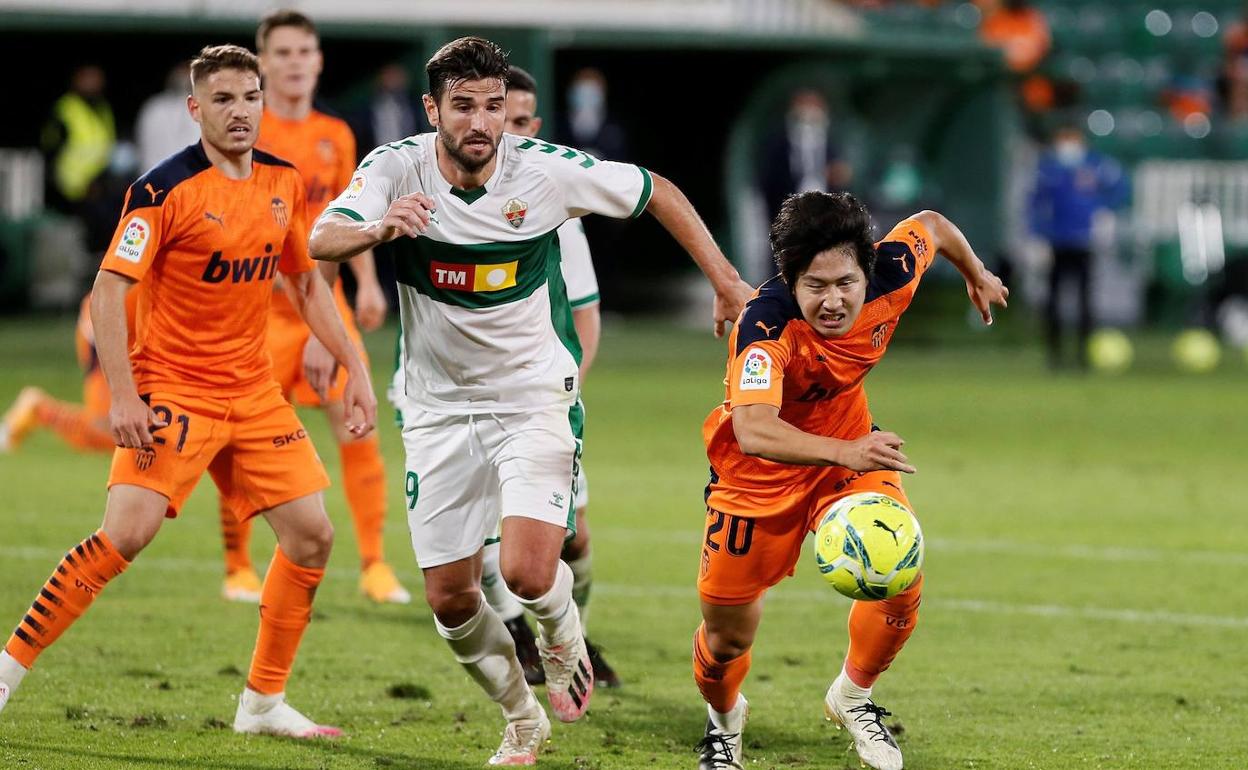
578 265
487 325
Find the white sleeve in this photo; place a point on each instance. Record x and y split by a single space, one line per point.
592 186
578 265
377 181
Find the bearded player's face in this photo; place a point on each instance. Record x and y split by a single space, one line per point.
469 118
227 106
831 291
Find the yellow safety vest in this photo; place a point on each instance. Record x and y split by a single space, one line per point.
89 140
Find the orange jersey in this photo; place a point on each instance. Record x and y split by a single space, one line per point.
205 249
323 150
777 358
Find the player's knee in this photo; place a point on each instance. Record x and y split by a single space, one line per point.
528 581
313 544
728 644
129 543
453 606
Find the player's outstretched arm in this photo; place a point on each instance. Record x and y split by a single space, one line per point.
311 296
674 211
336 237
984 288
130 420
761 433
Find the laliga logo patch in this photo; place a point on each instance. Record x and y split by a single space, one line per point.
134 240
514 212
355 188
756 373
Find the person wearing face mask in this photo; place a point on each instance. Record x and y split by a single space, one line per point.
588 125
1073 182
803 155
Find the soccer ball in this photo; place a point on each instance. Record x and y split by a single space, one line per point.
1196 351
869 546
1109 350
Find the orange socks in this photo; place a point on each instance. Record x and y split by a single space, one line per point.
364 481
78 579
72 423
878 631
237 537
720 683
285 610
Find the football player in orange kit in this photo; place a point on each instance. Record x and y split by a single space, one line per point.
794 435
323 150
85 426
202 237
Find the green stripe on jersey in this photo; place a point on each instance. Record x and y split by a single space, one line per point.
583 301
647 190
453 273
345 212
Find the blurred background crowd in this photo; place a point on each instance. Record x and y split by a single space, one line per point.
1093 150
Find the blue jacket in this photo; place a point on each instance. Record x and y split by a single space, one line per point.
1065 198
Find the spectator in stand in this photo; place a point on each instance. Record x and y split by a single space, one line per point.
803 155
78 139
1073 183
1233 80
588 125
393 112
164 124
1019 30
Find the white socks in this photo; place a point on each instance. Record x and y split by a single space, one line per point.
555 611
11 672
485 649
851 690
495 588
733 721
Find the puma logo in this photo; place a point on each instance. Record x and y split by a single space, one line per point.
886 528
766 329
214 218
902 259
152 191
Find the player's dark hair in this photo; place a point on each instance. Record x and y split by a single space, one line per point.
282 17
468 58
214 58
810 223
519 80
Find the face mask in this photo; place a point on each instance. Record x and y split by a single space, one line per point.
1069 152
586 96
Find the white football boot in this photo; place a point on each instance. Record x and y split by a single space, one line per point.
11 674
522 740
569 674
271 715
720 748
864 721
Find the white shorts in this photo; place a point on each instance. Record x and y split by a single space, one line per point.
464 471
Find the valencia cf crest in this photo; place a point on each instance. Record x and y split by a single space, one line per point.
879 334
514 211
143 458
280 213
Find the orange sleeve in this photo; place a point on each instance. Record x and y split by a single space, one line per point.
295 258
346 160
917 239
138 237
757 374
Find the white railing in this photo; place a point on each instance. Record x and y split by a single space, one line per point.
1189 200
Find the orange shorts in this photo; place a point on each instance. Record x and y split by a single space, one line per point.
287 334
744 555
95 397
253 446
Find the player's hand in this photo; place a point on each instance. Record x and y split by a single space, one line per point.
319 367
359 404
131 422
728 305
986 290
408 215
370 305
879 450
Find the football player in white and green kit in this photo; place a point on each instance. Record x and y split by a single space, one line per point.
491 361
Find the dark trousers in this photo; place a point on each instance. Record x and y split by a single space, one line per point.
1069 264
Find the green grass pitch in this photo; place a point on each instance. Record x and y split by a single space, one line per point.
1086 603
